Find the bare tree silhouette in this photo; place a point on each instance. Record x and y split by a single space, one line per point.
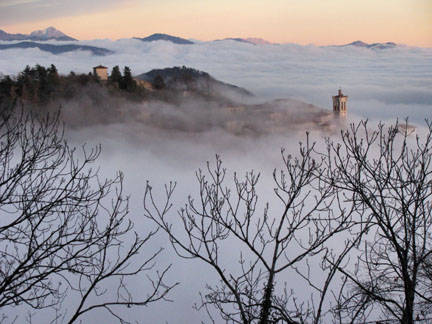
271 240
64 230
386 175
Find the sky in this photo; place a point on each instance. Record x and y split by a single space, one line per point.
319 22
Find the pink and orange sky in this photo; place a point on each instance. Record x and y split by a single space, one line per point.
320 22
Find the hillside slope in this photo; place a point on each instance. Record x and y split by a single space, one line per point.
192 80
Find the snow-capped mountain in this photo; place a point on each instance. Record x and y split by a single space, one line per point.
49 33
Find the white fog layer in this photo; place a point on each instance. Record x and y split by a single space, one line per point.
381 85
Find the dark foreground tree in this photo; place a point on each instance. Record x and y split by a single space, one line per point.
386 175
115 76
355 223
276 244
127 81
65 234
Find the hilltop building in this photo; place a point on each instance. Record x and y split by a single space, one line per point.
101 72
339 103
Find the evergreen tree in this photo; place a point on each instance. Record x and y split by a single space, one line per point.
7 92
115 76
128 83
42 84
52 72
26 84
53 80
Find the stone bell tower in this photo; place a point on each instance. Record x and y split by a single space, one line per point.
339 103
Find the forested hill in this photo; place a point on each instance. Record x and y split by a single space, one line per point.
189 79
40 85
178 99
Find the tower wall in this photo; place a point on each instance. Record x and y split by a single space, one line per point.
340 103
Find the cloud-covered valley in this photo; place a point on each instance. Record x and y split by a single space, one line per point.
381 85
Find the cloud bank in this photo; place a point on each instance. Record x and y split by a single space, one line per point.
381 84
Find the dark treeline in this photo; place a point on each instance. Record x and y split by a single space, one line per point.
40 85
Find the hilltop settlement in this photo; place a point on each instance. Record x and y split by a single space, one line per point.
174 99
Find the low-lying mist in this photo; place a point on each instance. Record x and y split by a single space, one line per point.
381 84
161 157
161 141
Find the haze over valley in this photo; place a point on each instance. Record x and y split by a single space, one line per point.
382 83
171 111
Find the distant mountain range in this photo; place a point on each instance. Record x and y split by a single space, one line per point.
58 49
11 37
372 46
250 40
257 41
183 41
49 33
52 33
165 37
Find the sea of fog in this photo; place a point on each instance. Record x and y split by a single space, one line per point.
381 85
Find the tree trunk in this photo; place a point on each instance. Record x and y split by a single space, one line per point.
267 303
408 312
